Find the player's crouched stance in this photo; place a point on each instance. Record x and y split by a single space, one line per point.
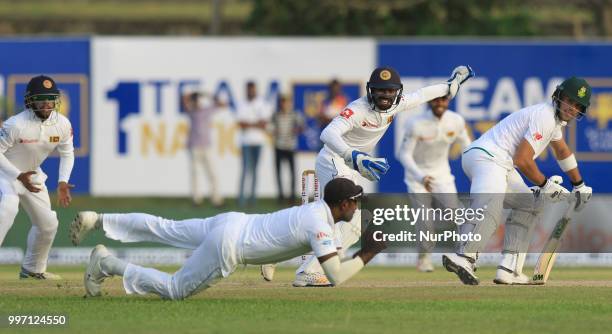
493 163
223 242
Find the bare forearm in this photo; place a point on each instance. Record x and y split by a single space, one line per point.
574 175
366 256
531 171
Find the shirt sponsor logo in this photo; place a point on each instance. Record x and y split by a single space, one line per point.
346 113
450 133
322 235
367 124
326 242
27 141
537 136
54 139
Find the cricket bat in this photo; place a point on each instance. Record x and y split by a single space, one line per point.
549 253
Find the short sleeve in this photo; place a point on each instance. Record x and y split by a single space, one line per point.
241 113
557 134
537 131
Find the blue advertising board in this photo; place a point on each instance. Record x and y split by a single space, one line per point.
509 76
67 61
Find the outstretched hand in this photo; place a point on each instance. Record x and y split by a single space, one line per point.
63 194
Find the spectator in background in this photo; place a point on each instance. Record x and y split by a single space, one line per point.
199 145
287 125
253 116
334 103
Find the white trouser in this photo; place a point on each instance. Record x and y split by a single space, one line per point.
43 219
211 239
200 160
329 166
493 187
443 195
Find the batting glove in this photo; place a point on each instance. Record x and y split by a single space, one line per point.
369 167
460 75
583 194
553 190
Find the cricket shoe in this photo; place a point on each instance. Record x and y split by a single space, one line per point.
267 272
26 274
507 276
94 275
424 264
462 266
84 222
314 279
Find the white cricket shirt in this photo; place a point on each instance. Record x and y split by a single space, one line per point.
426 144
537 124
358 127
26 141
285 234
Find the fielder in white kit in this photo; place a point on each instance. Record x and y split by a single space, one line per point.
352 136
424 152
223 242
491 162
26 140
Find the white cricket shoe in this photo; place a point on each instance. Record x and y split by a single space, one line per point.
424 263
84 222
507 276
461 266
315 279
94 276
267 272
26 274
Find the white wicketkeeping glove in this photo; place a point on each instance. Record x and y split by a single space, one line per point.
369 167
553 190
460 75
584 194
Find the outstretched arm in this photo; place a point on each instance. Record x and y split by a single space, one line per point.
450 88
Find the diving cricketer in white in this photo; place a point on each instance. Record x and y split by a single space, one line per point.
223 242
424 153
26 140
490 164
350 139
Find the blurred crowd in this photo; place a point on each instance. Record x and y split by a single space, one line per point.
259 122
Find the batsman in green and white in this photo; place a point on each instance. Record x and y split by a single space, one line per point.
493 163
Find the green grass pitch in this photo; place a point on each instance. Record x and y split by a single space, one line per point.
380 300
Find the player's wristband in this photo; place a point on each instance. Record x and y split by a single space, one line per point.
568 163
543 183
577 183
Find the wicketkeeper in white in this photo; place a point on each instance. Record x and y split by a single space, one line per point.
351 137
491 162
424 152
26 140
223 242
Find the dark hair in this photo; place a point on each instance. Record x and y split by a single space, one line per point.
194 96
